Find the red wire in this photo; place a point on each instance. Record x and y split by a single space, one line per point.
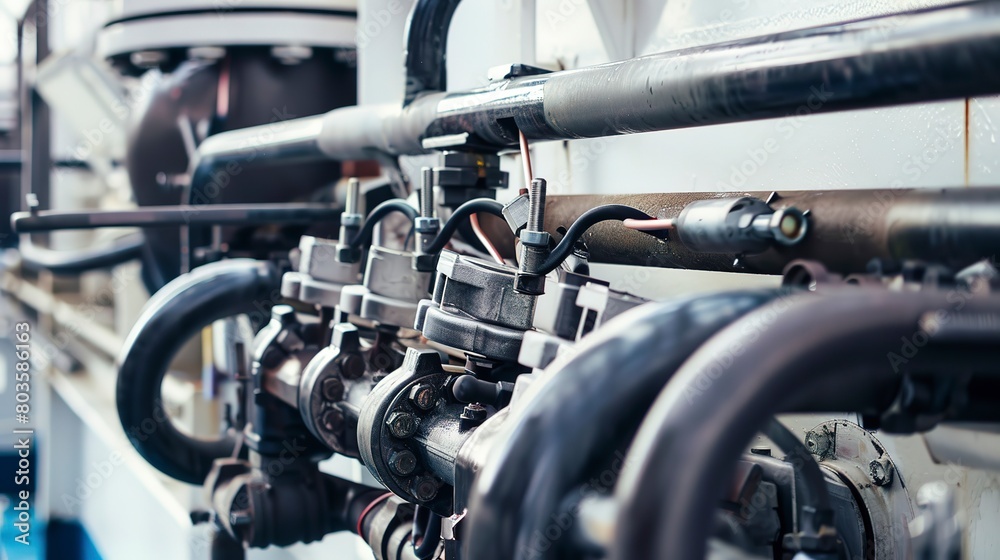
368 509
474 220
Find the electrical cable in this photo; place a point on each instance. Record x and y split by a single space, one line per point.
470 208
364 236
655 224
431 537
525 159
485 240
586 220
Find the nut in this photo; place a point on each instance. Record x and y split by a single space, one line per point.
333 389
423 396
424 488
880 471
402 424
333 420
402 462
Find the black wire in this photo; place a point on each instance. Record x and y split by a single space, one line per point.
474 206
431 538
589 218
375 216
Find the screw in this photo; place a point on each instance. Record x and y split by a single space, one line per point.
333 389
536 205
423 396
424 488
353 195
239 518
427 192
402 424
820 444
333 420
880 471
403 462
352 366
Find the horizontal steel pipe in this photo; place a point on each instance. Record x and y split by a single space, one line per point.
156 216
927 55
847 229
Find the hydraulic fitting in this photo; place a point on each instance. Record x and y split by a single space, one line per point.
534 244
350 223
743 225
426 226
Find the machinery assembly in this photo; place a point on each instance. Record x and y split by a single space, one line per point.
329 285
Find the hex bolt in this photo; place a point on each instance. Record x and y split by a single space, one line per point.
536 205
353 195
427 192
333 420
423 396
240 518
402 462
820 444
881 471
333 389
352 366
402 424
424 488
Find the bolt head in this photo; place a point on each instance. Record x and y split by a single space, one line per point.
402 424
423 396
352 366
333 389
535 238
333 420
424 488
880 471
402 462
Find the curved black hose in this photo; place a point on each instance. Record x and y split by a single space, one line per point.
426 46
173 315
788 362
586 220
474 206
431 538
122 250
815 491
364 236
579 413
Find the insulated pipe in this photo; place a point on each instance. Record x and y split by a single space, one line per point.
927 55
172 316
427 46
829 352
580 411
847 229
77 261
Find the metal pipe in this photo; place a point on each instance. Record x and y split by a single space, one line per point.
120 251
538 460
712 407
427 46
156 216
172 316
926 55
847 229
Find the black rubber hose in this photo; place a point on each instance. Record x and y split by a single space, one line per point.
364 236
585 407
805 353
586 220
120 251
431 538
816 493
427 46
462 213
173 315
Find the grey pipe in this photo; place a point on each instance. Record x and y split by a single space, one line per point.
927 55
